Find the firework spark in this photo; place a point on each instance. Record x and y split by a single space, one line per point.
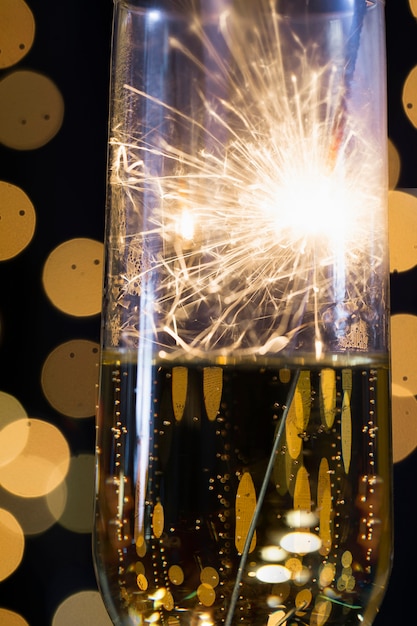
248 226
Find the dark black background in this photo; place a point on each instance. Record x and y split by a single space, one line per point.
66 181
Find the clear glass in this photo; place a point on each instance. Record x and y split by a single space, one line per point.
243 429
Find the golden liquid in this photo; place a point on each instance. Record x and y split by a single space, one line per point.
183 451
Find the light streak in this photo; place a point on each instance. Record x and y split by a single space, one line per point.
252 225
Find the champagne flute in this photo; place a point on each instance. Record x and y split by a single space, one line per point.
243 428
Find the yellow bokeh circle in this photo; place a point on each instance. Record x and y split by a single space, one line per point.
409 96
77 515
10 409
404 426
17 220
17 32
83 609
35 515
12 543
402 231
13 440
403 351
394 163
41 464
72 277
70 376
32 110
10 618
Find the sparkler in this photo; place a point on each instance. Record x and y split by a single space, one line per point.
259 227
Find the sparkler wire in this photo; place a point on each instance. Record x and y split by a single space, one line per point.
353 41
351 55
245 552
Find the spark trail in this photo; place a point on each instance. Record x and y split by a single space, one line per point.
248 227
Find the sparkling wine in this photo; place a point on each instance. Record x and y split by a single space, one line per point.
243 493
